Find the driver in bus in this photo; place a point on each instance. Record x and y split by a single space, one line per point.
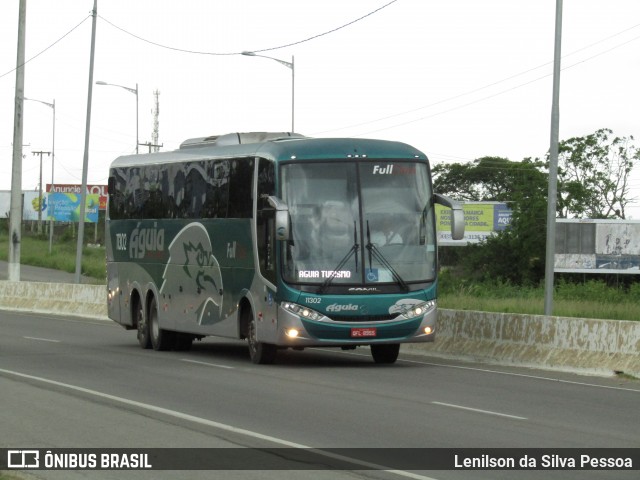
386 231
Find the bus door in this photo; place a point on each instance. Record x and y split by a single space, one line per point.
264 286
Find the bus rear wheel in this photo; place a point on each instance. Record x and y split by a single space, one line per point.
385 353
260 353
141 324
160 339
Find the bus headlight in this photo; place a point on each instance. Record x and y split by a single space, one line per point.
302 312
291 332
418 310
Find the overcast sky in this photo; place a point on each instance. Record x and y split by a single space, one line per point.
458 79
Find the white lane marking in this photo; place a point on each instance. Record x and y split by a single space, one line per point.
214 424
217 365
477 410
42 339
523 375
497 372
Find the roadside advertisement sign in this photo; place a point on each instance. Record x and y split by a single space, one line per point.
100 190
60 207
482 219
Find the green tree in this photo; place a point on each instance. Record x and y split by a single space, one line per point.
593 175
516 254
593 182
487 179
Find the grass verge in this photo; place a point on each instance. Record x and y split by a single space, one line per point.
35 251
591 299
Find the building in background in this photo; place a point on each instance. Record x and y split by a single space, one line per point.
597 246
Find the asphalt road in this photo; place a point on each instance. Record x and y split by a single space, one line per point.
82 383
29 273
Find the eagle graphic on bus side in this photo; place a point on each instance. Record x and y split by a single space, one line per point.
199 273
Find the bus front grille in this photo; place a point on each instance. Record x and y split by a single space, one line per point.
362 318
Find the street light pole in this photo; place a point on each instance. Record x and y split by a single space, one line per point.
135 92
85 159
293 91
53 162
549 271
290 65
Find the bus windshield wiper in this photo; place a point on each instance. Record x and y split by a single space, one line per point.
375 253
352 251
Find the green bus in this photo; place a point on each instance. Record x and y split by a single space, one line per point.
283 240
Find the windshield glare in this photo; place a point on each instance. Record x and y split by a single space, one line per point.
325 201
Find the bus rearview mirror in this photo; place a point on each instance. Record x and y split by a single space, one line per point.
457 215
283 219
283 222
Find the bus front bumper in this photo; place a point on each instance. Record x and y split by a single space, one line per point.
294 331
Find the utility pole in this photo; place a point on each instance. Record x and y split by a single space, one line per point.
151 145
50 208
40 192
15 215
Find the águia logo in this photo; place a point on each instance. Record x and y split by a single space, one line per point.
146 240
336 307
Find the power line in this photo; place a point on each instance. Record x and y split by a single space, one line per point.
42 51
193 51
196 52
492 95
484 87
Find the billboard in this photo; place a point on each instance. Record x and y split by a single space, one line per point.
63 207
100 190
60 207
481 220
597 246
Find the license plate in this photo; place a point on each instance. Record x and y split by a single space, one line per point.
363 332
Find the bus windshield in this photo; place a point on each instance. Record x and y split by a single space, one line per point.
359 223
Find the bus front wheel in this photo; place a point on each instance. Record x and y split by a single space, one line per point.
385 353
262 353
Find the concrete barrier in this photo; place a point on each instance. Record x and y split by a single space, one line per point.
585 345
601 347
57 298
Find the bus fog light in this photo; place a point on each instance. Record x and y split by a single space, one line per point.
428 330
291 332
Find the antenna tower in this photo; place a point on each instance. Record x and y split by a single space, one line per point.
156 124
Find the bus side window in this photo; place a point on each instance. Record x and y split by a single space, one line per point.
240 188
112 190
265 220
